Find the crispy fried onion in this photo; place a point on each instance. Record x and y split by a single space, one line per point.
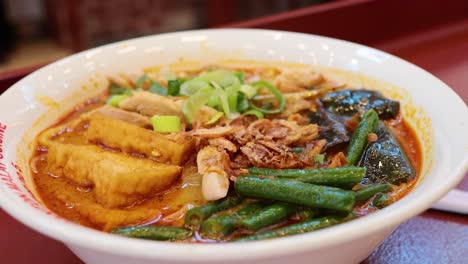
215 131
269 154
281 131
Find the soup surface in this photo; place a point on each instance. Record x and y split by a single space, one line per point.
226 154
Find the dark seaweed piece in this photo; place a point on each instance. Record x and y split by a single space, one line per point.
385 161
332 128
348 102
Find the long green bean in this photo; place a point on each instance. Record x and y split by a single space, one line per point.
381 200
370 190
295 192
345 177
368 124
196 215
269 215
154 232
225 223
299 228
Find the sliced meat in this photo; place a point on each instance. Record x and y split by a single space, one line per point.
117 179
213 164
270 154
130 138
129 117
150 104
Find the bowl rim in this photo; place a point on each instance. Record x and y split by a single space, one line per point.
83 237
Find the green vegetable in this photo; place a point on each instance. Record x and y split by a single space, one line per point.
215 118
309 213
319 159
278 95
193 86
173 86
307 226
116 99
115 89
154 87
248 90
191 106
269 215
157 88
224 78
143 80
223 99
166 124
345 177
381 200
232 93
241 76
154 232
370 190
295 192
242 102
368 124
224 224
256 113
196 215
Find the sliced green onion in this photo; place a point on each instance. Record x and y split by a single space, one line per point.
115 89
241 76
223 98
191 87
191 106
157 88
116 99
144 78
213 101
166 124
232 93
215 118
319 159
173 86
223 78
278 95
242 102
249 90
254 112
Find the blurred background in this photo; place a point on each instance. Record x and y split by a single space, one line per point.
34 32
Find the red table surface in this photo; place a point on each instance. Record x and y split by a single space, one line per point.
431 237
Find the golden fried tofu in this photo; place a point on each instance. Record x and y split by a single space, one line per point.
118 180
133 139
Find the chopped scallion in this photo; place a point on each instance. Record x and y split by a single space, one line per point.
249 90
166 124
254 112
116 99
215 118
157 88
278 95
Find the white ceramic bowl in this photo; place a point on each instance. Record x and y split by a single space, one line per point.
26 101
